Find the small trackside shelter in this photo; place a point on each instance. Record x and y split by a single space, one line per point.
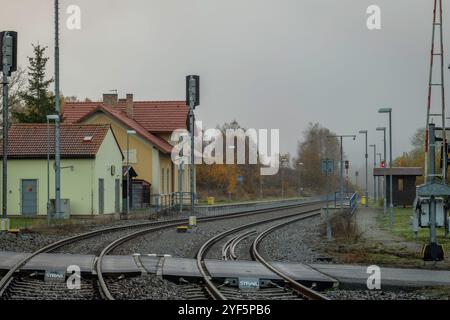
403 183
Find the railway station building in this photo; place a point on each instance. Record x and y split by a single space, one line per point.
91 161
403 183
155 177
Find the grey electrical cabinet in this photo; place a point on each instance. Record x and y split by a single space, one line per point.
424 212
65 208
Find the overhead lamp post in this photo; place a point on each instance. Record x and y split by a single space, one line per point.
384 176
283 160
391 206
341 171
367 173
57 122
374 146
52 117
129 133
378 177
299 166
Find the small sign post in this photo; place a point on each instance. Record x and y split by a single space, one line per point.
327 167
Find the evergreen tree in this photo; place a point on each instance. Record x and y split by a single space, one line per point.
38 100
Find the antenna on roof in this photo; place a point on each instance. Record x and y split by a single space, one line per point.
114 90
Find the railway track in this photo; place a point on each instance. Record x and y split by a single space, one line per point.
229 248
221 292
297 287
105 291
8 284
275 292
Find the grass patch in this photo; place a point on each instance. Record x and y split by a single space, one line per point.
344 227
402 227
26 223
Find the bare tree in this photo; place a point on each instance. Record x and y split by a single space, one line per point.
17 83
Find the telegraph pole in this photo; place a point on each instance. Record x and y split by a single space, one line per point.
57 122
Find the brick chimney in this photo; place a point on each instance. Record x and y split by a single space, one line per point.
129 105
110 99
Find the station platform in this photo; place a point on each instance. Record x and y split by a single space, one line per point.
324 275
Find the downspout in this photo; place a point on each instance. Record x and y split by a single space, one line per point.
92 188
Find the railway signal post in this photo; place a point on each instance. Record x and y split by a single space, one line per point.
193 100
8 58
327 167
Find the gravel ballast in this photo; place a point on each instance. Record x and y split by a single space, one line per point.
186 245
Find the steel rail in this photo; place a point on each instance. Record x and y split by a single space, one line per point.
296 286
99 261
236 241
229 246
211 288
225 248
5 280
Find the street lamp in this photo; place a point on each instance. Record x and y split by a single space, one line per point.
374 146
52 117
299 166
378 178
367 183
57 122
129 133
391 206
233 147
283 160
384 176
342 165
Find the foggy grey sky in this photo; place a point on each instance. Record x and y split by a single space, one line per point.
266 63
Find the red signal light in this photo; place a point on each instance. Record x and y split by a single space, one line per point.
383 164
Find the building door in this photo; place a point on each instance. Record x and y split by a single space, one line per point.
117 197
29 198
101 196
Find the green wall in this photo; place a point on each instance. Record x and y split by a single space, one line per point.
79 185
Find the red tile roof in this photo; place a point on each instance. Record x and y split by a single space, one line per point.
120 116
160 116
154 116
29 141
75 111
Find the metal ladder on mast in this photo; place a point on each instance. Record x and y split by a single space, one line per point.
437 24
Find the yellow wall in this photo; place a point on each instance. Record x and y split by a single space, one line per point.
150 161
143 167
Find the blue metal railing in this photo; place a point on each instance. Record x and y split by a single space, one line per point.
353 202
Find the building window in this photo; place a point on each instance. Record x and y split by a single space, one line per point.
400 185
132 156
162 180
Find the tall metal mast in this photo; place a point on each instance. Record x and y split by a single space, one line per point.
437 50
57 122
